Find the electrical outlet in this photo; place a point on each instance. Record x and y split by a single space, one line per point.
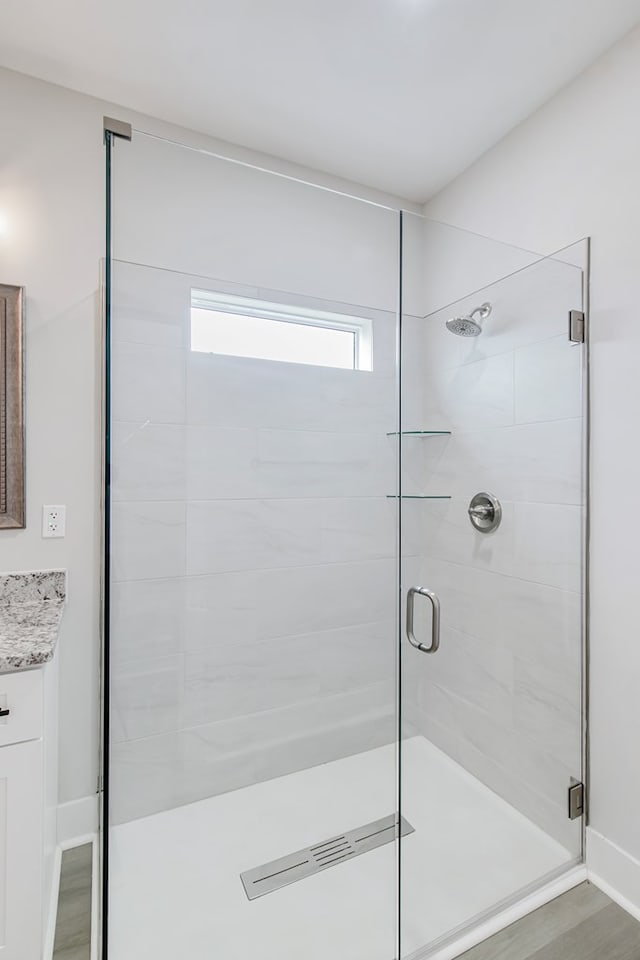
54 519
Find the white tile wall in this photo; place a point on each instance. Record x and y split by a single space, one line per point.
305 464
150 306
547 381
148 539
149 461
147 695
502 696
148 383
239 678
532 462
540 542
250 534
285 601
220 463
174 768
531 619
237 392
254 543
147 619
472 396
253 556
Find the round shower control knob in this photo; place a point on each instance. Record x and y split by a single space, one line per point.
485 512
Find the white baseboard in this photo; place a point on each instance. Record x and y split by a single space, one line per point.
614 871
77 821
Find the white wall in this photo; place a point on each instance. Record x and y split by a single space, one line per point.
572 170
52 244
52 201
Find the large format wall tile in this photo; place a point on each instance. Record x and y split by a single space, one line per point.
163 771
473 396
548 380
147 619
481 673
541 542
502 696
238 392
148 383
150 306
253 534
530 306
149 461
548 544
533 620
547 707
236 463
248 678
262 604
449 535
534 462
221 609
292 463
220 463
155 773
148 540
148 695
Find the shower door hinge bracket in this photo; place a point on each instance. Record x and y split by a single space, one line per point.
576 326
576 799
117 128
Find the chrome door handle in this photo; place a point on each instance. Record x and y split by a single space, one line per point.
435 619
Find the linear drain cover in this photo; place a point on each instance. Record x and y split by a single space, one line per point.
303 863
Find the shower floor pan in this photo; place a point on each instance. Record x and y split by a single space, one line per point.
175 888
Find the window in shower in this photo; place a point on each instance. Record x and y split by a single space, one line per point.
243 327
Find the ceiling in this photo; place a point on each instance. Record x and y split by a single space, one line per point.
401 95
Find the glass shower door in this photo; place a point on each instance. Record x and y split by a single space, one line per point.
264 498
492 534
252 641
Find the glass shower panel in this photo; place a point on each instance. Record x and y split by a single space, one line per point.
491 719
253 611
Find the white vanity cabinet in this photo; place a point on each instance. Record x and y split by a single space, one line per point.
28 764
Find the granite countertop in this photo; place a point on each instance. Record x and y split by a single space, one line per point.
31 606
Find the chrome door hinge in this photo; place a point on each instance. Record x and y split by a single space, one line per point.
576 799
576 326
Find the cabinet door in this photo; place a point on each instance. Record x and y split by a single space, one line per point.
21 851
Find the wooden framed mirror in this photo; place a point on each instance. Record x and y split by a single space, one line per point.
12 492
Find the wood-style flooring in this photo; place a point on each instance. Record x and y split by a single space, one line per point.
583 924
73 922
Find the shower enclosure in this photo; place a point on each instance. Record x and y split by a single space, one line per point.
343 704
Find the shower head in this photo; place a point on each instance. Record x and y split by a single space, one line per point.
466 326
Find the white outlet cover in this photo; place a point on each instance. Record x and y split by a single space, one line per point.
54 520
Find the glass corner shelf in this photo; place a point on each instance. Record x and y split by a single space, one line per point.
418 496
420 433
